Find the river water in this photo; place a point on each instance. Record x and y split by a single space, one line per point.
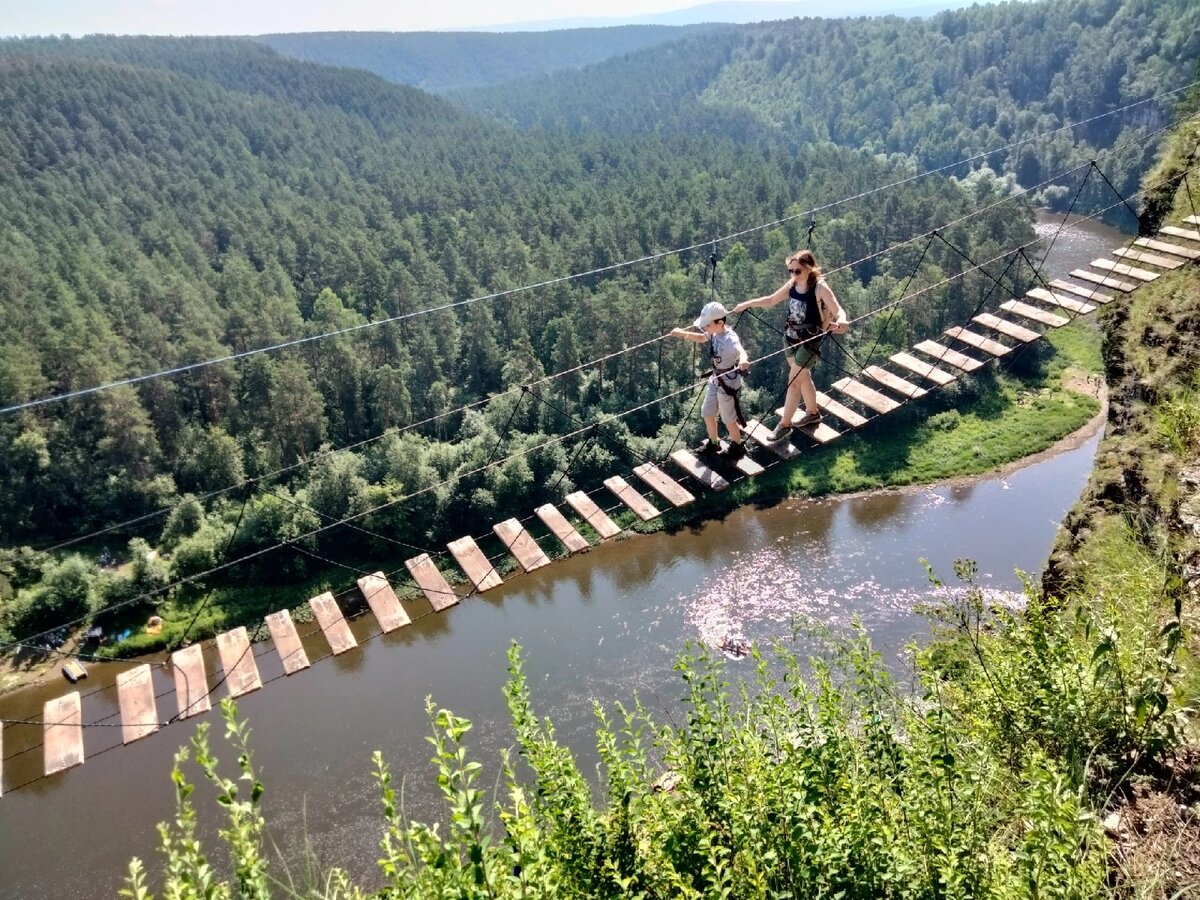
601 626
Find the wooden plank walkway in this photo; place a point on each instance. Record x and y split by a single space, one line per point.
926 370
822 432
1186 233
1005 327
287 642
949 356
1103 280
333 623
62 733
481 572
895 383
1035 314
384 603
1078 307
1091 295
1192 220
674 492
978 341
237 662
587 510
1150 259
431 581
631 498
191 682
562 529
520 543
868 397
1124 269
827 404
694 466
1167 247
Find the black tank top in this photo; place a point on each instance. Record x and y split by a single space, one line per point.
804 313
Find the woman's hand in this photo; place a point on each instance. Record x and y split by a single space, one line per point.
840 327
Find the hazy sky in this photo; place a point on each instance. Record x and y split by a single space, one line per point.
264 16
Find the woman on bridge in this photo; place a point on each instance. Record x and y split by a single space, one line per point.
813 312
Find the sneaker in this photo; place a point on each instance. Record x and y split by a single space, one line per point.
734 451
809 419
706 447
781 432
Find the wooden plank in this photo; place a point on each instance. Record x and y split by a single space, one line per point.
949 356
1167 247
1011 329
978 341
631 498
333 623
822 433
1187 233
481 572
694 466
827 404
62 733
1193 220
521 544
1075 306
1034 313
384 603
1150 259
1092 295
562 529
431 581
865 395
674 492
287 642
760 433
135 697
894 382
938 376
1123 269
587 509
743 464
1103 280
191 681
237 661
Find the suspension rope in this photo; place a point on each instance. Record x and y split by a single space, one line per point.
882 328
224 557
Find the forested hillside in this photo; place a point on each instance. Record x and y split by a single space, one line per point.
441 61
941 88
171 201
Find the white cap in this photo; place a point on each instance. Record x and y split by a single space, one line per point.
711 312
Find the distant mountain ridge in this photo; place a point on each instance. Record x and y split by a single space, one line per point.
440 61
741 13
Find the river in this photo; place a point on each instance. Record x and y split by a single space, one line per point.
602 625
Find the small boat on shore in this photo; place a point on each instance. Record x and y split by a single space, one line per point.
73 670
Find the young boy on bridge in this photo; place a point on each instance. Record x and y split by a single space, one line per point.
729 363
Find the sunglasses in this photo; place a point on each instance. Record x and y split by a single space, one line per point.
795 271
